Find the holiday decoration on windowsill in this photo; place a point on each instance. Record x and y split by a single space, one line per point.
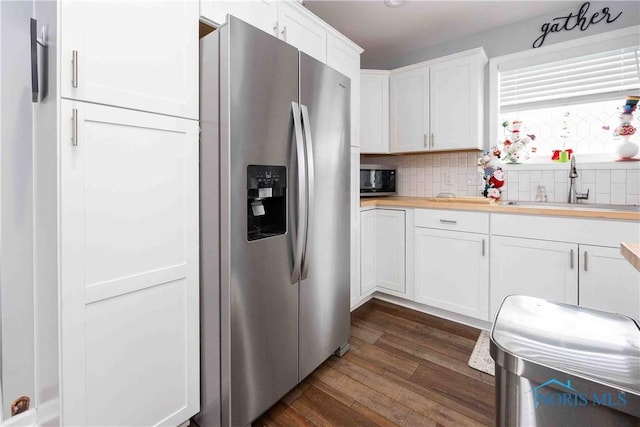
492 173
627 148
563 155
517 146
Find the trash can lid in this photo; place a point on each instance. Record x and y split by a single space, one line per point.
594 344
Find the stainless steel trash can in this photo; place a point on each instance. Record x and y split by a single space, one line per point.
564 365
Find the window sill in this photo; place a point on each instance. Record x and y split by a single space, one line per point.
592 161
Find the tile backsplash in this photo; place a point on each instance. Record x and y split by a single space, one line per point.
426 175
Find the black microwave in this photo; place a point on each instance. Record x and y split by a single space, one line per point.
377 180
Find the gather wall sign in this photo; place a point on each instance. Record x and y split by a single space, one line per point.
580 20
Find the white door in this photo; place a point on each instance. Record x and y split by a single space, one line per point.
455 109
409 110
390 249
535 268
297 27
374 112
135 54
452 271
129 267
608 281
261 14
367 251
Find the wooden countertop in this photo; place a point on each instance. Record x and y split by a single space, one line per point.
481 204
631 251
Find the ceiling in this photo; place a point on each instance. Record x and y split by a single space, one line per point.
386 33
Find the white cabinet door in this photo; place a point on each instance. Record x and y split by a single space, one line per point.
390 249
374 111
367 251
409 110
355 226
343 57
261 14
535 268
452 271
456 104
297 27
608 281
135 54
129 267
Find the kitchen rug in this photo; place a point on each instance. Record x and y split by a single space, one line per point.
480 358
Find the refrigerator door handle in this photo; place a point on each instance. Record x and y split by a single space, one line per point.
301 225
306 127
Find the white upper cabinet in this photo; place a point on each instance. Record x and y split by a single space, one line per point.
136 54
409 110
374 111
261 14
437 105
456 102
297 27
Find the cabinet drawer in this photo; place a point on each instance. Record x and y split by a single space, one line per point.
452 220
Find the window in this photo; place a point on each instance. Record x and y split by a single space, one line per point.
568 95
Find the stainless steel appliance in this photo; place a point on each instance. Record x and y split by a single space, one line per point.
560 365
377 180
274 220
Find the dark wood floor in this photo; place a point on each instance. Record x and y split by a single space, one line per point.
404 368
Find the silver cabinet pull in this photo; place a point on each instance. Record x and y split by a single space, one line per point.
74 127
424 139
571 259
585 260
433 140
74 69
284 33
483 247
275 29
448 221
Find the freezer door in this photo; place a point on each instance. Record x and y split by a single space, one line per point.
324 288
259 302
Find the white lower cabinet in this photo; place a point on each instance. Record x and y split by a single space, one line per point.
452 271
390 248
382 251
367 251
608 281
535 268
129 319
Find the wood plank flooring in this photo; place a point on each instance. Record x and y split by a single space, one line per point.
404 368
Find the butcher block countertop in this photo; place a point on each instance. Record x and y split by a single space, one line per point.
631 251
482 204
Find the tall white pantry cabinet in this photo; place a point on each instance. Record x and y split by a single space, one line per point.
121 181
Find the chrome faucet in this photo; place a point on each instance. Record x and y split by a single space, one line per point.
573 174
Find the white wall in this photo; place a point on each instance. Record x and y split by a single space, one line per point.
16 218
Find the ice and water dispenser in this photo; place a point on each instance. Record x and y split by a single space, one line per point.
266 201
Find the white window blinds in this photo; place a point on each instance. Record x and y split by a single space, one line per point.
604 75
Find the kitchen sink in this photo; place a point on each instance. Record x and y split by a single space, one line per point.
576 206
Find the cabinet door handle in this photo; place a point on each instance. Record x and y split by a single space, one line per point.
275 29
433 140
571 259
424 140
483 247
74 127
448 221
74 69
585 260
284 33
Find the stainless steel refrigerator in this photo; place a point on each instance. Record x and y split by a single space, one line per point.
274 220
